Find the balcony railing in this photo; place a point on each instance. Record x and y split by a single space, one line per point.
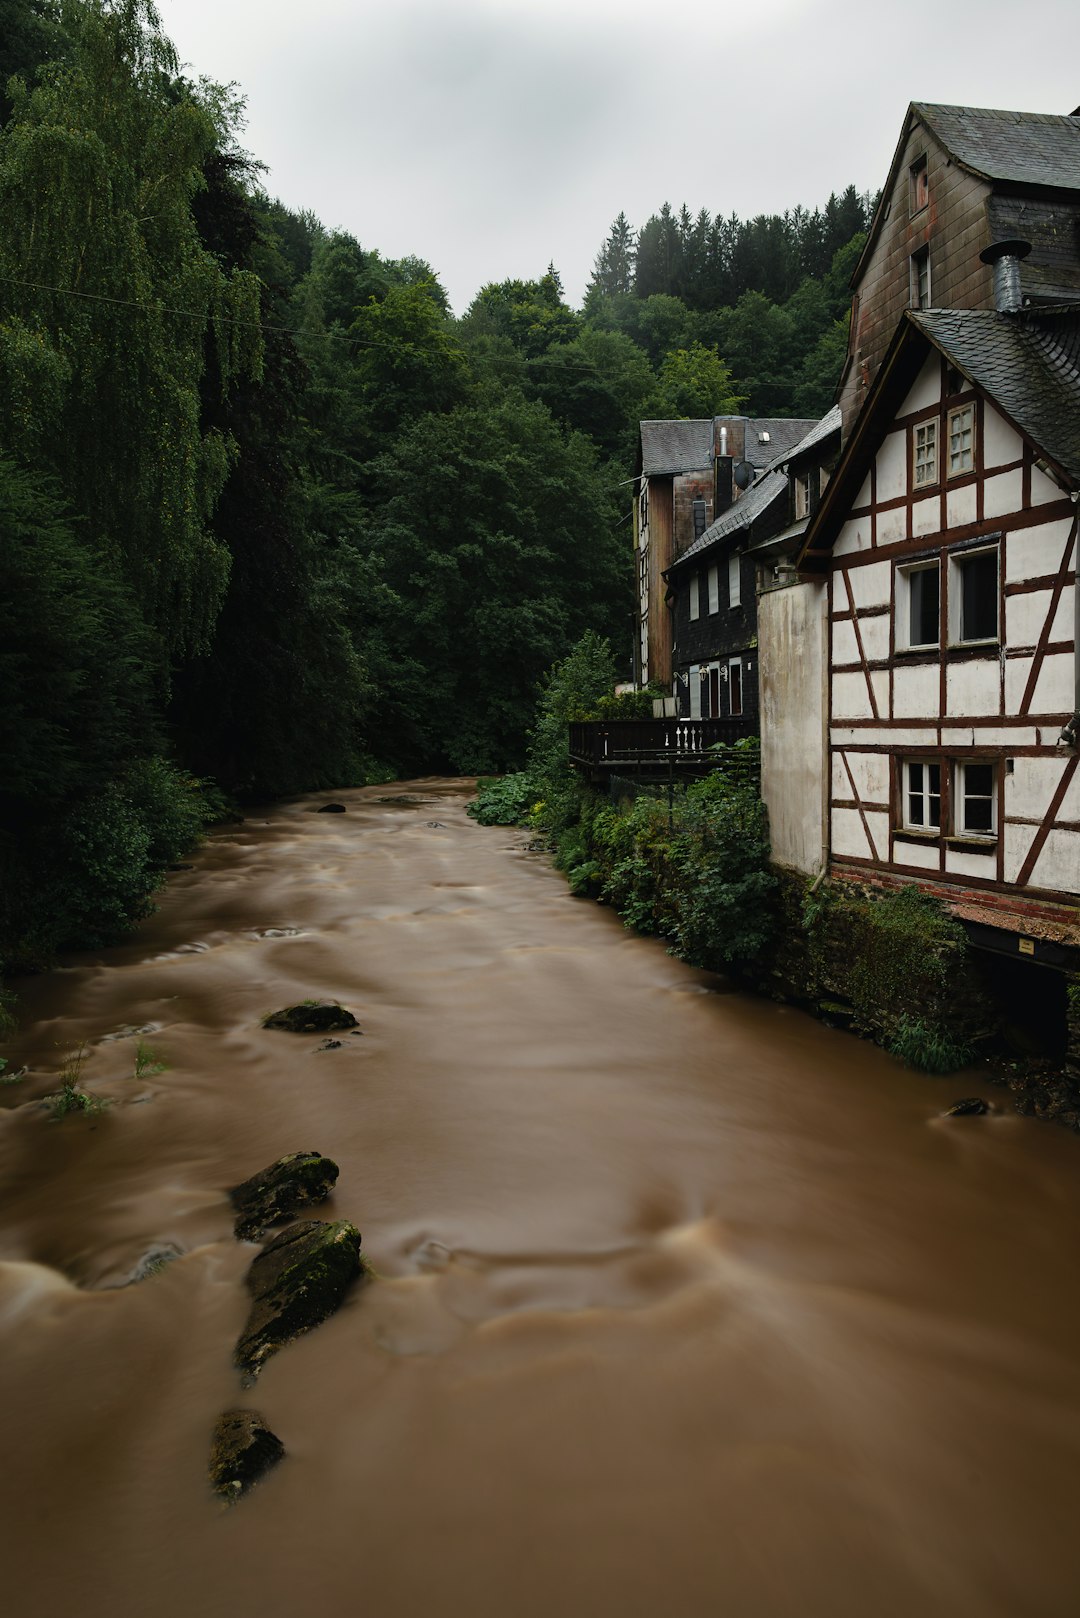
659 747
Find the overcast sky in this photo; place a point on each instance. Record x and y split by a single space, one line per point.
491 136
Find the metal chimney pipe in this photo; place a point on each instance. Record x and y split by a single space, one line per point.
1004 258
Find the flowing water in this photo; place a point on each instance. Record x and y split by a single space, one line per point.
687 1305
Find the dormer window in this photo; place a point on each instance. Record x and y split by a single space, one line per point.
918 185
805 490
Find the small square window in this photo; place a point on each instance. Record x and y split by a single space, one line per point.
920 279
973 596
924 445
922 794
976 799
918 186
918 603
961 440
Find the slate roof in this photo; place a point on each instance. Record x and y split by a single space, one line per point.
784 433
1029 363
1019 148
753 504
819 433
676 446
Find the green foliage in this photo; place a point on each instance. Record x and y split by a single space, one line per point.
71 1097
146 1062
569 691
503 802
932 1050
695 382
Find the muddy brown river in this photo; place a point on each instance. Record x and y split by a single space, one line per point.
686 1306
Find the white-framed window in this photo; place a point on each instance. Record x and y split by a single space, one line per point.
921 810
734 580
924 454
918 605
805 490
695 596
920 278
714 589
975 798
973 596
734 671
961 440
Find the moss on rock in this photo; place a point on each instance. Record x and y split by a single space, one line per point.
243 1450
296 1282
299 1180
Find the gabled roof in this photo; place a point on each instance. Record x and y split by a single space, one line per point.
1027 363
819 434
1019 148
1010 148
676 446
740 517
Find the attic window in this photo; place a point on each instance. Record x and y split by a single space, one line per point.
920 278
763 438
918 185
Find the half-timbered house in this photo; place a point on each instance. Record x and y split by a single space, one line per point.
946 547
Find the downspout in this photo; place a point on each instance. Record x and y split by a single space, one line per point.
1070 736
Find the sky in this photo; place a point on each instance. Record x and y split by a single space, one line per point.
490 137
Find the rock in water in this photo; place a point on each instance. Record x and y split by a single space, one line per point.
312 1017
330 809
298 1280
242 1450
298 1181
970 1107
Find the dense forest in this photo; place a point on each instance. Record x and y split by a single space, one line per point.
271 518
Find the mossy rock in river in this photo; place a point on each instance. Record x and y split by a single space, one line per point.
297 1181
297 1281
311 1017
243 1450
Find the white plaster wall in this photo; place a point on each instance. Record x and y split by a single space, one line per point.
965 862
1035 553
1058 866
916 690
875 637
1031 786
879 679
853 536
877 823
925 390
892 525
973 688
1018 839
892 466
850 698
1017 670
791 673
1025 616
848 836
1002 444
845 648
989 736
1003 494
900 736
870 585
869 771
1043 489
863 496
1055 687
960 506
923 855
926 515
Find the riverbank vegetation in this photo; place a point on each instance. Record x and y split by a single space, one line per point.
271 517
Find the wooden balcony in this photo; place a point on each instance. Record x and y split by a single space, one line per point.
660 749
